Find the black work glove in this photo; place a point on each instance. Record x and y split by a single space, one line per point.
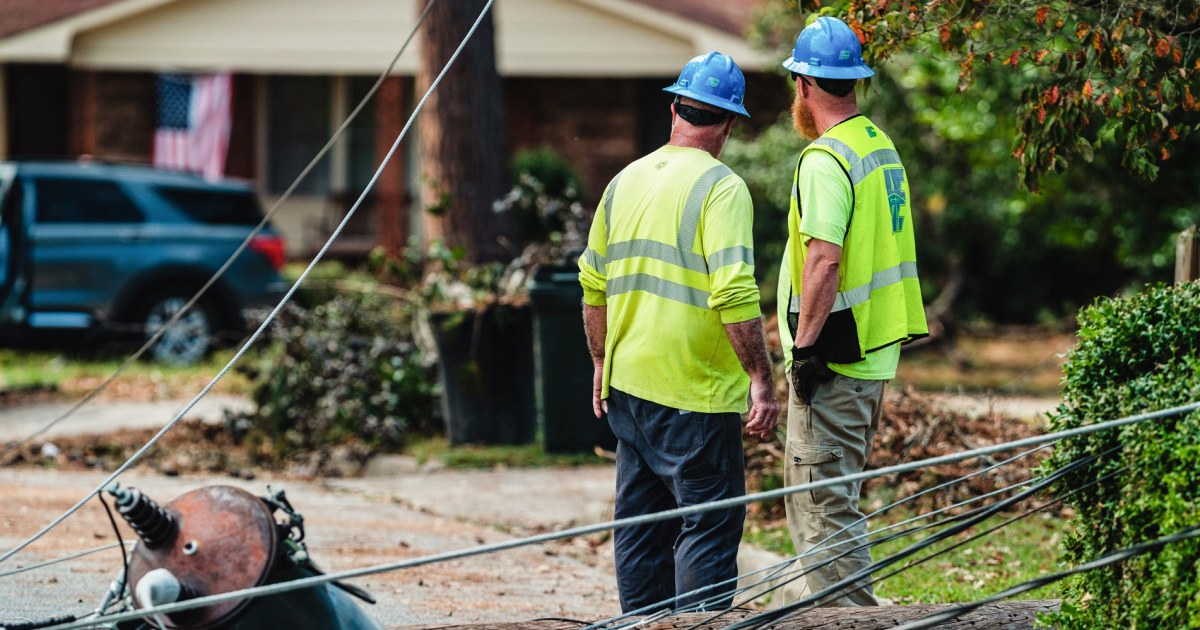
808 371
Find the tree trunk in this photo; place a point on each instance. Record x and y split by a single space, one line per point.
462 137
391 194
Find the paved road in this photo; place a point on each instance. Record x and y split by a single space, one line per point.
349 525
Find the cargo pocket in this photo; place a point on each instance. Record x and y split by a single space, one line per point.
814 462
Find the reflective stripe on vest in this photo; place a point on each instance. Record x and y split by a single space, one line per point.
680 255
853 297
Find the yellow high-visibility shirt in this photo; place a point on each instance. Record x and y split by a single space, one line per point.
671 254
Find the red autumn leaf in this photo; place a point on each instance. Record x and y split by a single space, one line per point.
1166 155
1041 54
1040 16
1082 29
1041 115
1087 88
1012 59
1052 95
1177 55
1162 49
944 34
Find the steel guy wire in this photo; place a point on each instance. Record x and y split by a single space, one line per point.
851 583
820 545
1056 500
68 558
278 307
1060 498
1187 533
795 574
236 253
282 587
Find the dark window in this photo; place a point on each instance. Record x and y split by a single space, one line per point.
215 207
83 201
298 114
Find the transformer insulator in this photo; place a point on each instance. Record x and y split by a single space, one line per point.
153 524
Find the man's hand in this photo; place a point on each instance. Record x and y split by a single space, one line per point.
808 371
764 414
598 404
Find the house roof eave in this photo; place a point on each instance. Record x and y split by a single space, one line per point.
51 42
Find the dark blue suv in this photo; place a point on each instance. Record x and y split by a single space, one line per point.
108 249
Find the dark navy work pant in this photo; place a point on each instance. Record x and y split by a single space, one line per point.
667 458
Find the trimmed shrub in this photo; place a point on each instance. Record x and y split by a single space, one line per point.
346 371
1135 355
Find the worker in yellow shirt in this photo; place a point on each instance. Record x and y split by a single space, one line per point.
848 298
672 316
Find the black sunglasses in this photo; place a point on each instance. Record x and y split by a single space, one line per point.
800 77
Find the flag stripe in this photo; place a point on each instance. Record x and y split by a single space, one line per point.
194 119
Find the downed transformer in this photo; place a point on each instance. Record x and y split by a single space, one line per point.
219 539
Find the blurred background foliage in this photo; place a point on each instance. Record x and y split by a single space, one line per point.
1006 236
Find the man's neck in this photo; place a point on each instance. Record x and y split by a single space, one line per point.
705 143
831 116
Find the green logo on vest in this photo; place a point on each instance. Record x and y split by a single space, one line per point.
871 131
893 179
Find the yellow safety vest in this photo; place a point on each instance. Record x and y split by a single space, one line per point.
879 296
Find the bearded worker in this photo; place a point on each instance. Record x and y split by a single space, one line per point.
848 298
672 316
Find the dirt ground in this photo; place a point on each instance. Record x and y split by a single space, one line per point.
349 525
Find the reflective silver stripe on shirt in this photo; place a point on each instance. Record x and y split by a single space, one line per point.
681 255
593 258
608 201
646 248
731 256
657 286
874 160
690 224
860 294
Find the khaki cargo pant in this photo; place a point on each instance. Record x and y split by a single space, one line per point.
830 439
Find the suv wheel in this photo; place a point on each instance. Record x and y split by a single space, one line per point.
188 339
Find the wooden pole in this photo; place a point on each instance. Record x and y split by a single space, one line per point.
1187 256
1010 615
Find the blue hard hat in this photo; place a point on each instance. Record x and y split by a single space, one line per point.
828 49
713 79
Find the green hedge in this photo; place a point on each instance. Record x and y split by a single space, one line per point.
1135 355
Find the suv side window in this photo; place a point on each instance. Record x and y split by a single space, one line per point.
63 200
214 207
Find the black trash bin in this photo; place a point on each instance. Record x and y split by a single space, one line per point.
562 365
486 369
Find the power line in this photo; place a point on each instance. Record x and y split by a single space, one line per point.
274 312
236 253
271 589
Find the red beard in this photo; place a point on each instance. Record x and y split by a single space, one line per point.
802 119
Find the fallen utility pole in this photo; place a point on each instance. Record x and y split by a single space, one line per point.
1012 615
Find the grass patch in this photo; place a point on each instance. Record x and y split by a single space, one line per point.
513 456
1021 551
77 374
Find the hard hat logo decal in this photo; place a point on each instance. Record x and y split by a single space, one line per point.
713 79
845 54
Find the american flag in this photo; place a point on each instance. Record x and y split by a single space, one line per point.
194 114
